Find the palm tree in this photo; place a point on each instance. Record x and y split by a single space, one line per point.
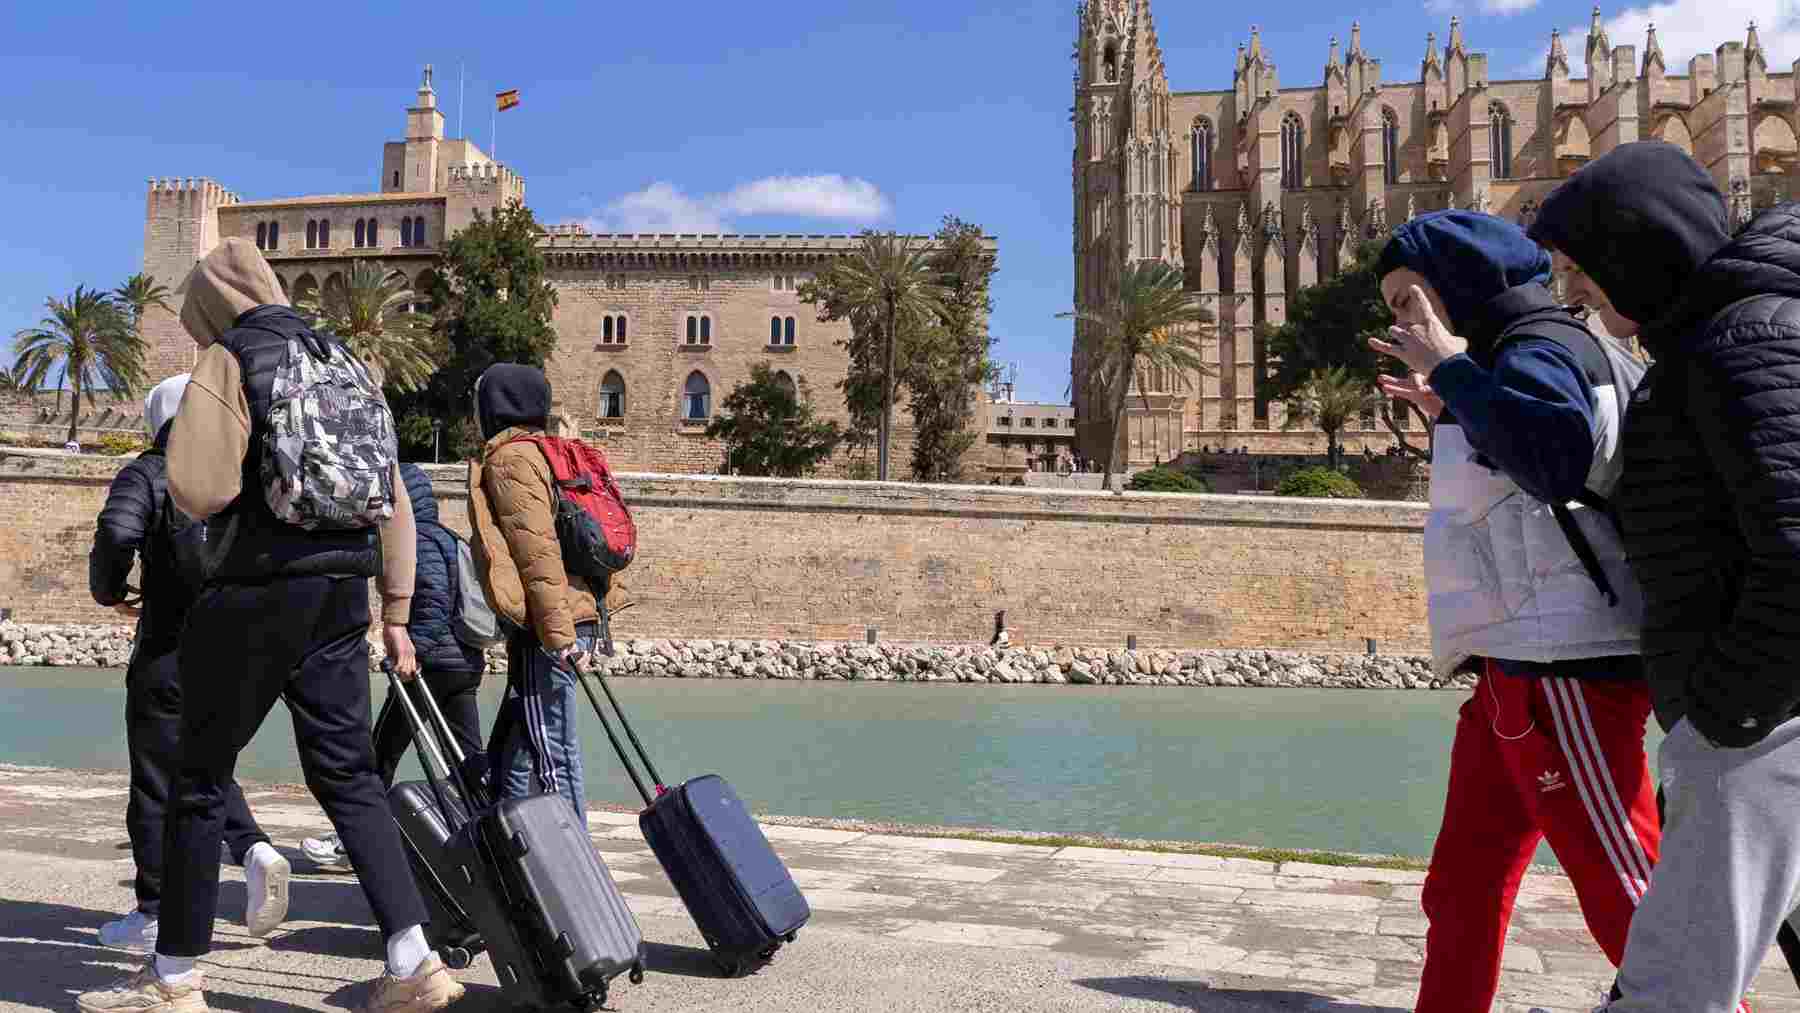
890 280
1153 323
86 341
137 295
375 313
1329 399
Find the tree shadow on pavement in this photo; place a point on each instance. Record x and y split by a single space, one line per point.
1198 995
53 953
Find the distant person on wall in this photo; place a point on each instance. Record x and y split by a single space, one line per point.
1710 508
284 449
450 669
139 522
553 613
1545 608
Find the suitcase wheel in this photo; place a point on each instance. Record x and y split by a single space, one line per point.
790 936
637 974
729 968
592 1001
456 958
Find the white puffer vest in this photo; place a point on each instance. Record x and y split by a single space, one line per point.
1502 579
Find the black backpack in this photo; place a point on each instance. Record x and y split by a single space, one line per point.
182 542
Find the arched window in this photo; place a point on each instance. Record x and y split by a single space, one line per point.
406 232
706 330
622 328
360 226
612 396
324 233
374 233
396 179
1293 149
774 330
1500 140
696 397
305 288
262 235
312 234
786 383
606 330
1390 146
274 235
693 329
790 331
419 231
1203 149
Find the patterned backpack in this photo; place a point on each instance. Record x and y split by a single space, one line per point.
328 460
594 525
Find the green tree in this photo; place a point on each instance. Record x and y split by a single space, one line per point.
491 302
1318 483
889 292
373 311
87 342
768 428
948 361
1327 328
137 295
1329 399
1153 323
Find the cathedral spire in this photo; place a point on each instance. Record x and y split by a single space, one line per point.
1652 49
1753 50
1255 43
1559 57
1431 56
1331 59
1455 45
1355 39
1598 43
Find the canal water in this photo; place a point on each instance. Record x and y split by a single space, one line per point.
1346 770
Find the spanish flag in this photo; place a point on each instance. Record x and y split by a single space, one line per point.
506 100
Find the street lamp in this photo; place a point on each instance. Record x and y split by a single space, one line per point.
437 427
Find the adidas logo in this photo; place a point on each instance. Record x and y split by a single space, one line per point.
1551 780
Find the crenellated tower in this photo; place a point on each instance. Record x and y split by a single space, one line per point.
181 225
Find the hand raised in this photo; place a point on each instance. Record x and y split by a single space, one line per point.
1415 390
1420 340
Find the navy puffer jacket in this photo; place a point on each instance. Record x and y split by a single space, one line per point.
434 587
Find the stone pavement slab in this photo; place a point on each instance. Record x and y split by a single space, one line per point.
900 923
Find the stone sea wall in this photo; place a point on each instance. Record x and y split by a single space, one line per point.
110 647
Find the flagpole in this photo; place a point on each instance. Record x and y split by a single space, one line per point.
459 102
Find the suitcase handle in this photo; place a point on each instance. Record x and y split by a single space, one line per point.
425 741
472 790
649 767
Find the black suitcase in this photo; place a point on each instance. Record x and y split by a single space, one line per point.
524 876
452 931
740 895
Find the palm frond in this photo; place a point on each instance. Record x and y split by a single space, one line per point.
374 312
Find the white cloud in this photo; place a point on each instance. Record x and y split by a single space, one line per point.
1505 7
664 207
1687 28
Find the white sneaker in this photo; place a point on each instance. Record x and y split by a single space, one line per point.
135 931
266 889
325 852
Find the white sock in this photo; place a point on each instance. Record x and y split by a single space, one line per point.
176 970
260 850
407 949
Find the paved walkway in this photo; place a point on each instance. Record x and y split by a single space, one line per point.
900 924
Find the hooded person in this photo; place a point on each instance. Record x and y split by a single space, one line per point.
139 523
1709 504
1526 587
283 614
553 615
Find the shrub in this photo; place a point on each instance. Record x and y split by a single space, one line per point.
1164 479
118 444
1318 483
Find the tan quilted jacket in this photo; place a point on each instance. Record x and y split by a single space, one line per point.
515 545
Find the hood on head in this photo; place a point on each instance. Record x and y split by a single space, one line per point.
1639 220
162 402
418 490
1470 258
1762 259
508 394
228 283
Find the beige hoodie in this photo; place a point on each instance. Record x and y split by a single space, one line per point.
212 428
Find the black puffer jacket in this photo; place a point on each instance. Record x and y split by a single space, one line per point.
129 527
434 586
1710 495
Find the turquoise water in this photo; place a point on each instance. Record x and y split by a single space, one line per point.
1334 769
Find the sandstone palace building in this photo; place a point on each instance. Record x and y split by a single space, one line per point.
1257 191
652 330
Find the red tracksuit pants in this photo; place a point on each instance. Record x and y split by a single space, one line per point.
1536 758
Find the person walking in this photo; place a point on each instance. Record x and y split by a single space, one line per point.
1550 746
1710 509
139 523
449 669
554 614
284 615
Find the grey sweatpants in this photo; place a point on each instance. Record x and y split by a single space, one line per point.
1728 877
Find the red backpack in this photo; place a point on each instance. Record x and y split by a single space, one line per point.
594 525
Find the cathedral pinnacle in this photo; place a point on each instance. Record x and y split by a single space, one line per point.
1355 38
1255 43
1431 55
1455 45
1332 59
1652 48
1558 57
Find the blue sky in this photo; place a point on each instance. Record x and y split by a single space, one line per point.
806 116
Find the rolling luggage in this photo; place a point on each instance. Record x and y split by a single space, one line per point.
521 875
735 887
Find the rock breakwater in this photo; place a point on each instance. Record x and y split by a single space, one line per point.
110 647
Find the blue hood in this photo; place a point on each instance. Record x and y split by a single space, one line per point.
1469 258
418 490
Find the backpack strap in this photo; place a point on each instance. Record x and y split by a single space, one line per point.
1584 551
580 483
